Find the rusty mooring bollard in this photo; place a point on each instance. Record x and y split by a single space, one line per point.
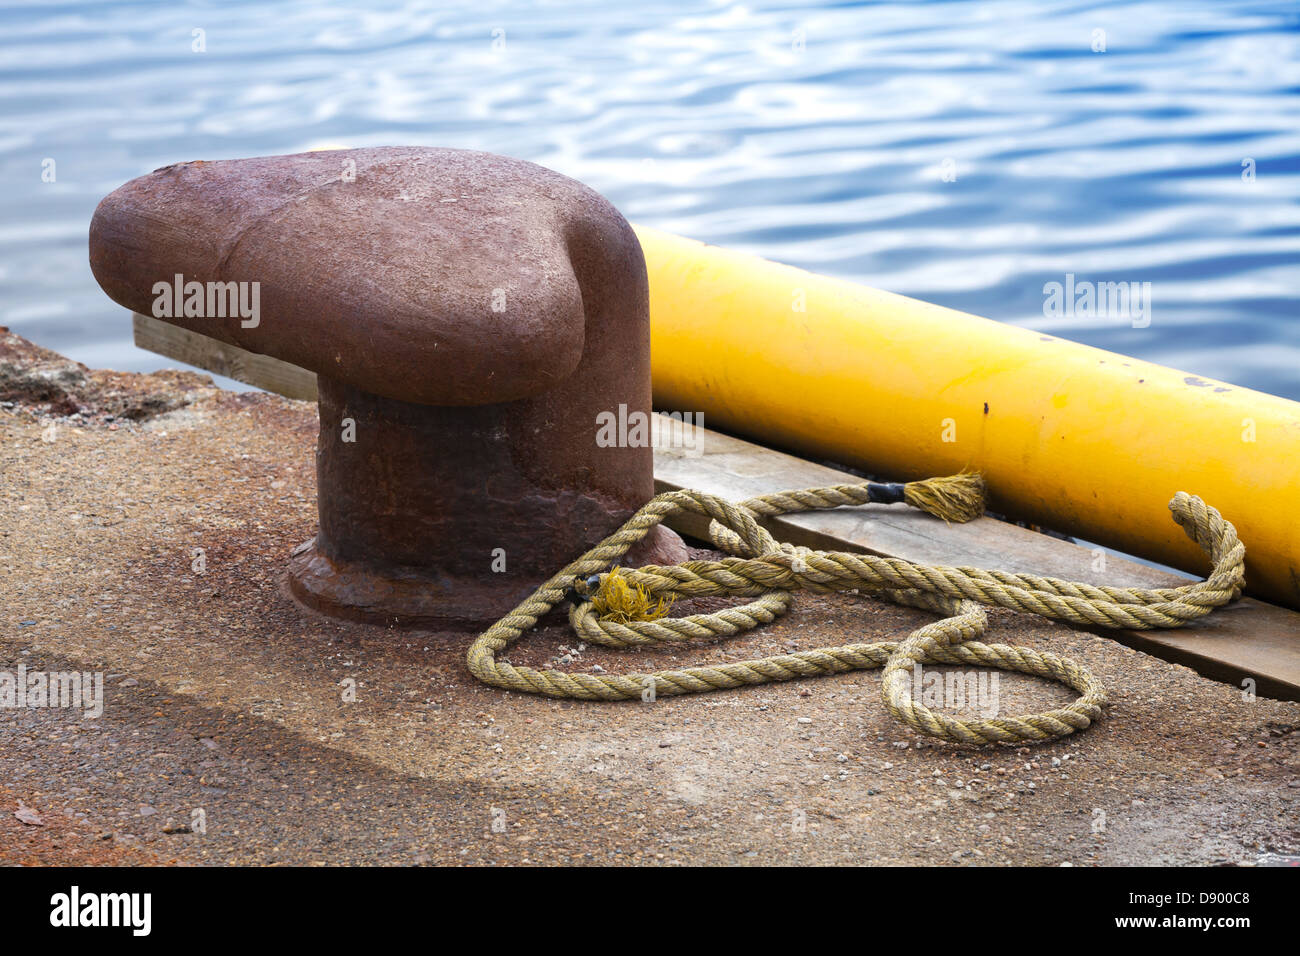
469 318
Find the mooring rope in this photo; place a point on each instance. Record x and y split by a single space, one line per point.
763 568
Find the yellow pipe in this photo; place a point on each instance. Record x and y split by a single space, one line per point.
1071 437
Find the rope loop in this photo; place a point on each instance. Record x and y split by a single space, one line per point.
757 566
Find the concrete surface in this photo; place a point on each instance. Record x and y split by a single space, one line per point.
226 705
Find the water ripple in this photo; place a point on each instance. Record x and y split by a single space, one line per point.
962 153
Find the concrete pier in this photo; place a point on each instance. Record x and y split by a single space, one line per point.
145 523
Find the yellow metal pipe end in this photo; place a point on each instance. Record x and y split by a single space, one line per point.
1077 439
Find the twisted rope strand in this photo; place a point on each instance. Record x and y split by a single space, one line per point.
760 567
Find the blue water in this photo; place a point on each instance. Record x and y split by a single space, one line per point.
962 153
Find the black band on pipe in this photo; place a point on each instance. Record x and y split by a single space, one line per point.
885 492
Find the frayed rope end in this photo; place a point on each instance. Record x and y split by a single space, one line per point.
617 600
957 498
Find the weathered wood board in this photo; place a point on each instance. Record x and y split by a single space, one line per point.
219 358
1249 640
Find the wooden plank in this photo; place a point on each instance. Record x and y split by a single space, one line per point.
1250 639
207 353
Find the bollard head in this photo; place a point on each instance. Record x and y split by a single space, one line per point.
469 318
432 276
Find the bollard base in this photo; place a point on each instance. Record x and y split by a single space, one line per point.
397 596
424 598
